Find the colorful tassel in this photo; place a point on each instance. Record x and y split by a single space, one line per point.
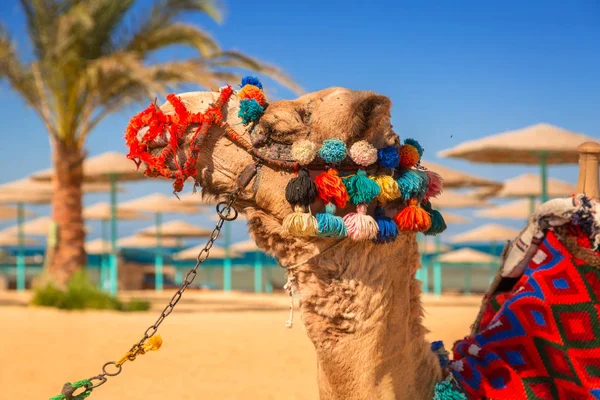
331 225
409 156
435 184
410 183
250 111
412 142
388 231
301 189
361 226
363 153
413 218
360 188
304 151
333 151
331 188
254 93
301 223
423 186
251 80
388 188
388 157
438 225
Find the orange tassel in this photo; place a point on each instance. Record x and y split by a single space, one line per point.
331 188
252 92
413 218
409 156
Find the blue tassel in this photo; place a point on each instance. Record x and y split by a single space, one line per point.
415 144
445 391
330 225
250 110
410 183
251 80
443 355
388 157
360 188
388 231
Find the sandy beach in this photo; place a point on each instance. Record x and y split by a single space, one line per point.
216 346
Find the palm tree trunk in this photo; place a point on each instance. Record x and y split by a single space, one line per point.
69 254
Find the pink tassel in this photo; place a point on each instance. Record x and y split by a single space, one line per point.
435 186
361 226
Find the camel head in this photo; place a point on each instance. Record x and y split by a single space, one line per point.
233 144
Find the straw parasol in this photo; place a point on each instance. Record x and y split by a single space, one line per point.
452 219
36 227
454 199
458 179
144 242
97 246
249 246
198 199
540 144
7 240
485 234
430 248
159 204
518 209
103 212
468 256
12 213
192 253
47 187
176 229
110 168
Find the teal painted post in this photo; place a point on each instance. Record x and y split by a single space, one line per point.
269 283
114 267
208 275
425 276
437 268
178 269
158 257
103 256
258 277
227 260
21 250
421 242
544 176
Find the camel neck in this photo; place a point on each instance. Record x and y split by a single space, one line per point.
361 308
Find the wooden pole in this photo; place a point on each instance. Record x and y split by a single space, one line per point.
589 158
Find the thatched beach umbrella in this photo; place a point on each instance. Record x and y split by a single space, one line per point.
102 212
467 257
486 234
453 199
7 213
452 219
454 179
144 242
249 246
518 209
540 144
431 248
110 167
40 226
159 204
191 253
7 240
97 246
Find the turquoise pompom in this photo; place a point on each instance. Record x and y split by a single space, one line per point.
250 110
360 188
415 144
445 391
388 230
411 183
423 186
330 225
333 151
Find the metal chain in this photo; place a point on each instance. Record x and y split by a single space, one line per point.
226 212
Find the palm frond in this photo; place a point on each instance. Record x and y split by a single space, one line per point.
236 59
170 34
41 18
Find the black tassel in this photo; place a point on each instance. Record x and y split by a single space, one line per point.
301 189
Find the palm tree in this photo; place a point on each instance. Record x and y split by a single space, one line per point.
89 61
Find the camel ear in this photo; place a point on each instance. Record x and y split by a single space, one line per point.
371 116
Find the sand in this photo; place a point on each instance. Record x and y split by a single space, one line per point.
216 346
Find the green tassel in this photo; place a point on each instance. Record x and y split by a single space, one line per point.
360 188
445 391
438 225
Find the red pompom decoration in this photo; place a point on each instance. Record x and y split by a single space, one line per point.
331 188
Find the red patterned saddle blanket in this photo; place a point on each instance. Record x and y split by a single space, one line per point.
539 340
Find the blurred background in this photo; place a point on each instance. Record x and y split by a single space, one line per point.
456 72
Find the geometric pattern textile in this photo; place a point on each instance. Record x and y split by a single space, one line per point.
542 340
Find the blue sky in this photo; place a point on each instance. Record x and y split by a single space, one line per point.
455 71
